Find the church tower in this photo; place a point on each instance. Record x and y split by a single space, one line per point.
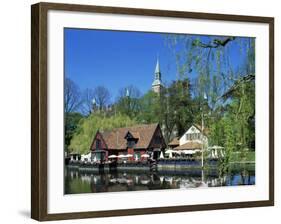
157 83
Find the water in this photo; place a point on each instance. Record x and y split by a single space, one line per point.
89 182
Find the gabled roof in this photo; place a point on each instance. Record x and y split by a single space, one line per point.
115 138
205 132
199 127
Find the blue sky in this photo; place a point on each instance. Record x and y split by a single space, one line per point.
116 59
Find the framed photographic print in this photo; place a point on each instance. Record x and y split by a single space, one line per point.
138 111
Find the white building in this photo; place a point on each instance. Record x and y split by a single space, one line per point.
192 139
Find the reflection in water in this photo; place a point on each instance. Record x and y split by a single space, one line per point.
83 182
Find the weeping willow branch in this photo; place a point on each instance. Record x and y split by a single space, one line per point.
236 85
214 44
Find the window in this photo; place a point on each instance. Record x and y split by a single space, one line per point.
130 143
98 144
193 136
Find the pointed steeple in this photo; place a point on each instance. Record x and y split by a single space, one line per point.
127 92
157 68
157 83
157 72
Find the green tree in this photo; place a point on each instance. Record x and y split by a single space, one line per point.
149 108
229 110
71 122
88 126
179 101
128 101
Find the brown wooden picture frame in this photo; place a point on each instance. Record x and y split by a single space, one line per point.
39 121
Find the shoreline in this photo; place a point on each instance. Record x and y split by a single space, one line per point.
160 167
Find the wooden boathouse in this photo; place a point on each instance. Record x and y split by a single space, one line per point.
131 142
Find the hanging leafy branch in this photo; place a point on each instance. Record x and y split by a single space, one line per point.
215 64
235 87
213 44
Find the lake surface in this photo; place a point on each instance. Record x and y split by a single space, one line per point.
90 182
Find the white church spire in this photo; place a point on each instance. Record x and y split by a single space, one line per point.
157 83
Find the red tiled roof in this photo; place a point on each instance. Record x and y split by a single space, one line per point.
189 145
115 138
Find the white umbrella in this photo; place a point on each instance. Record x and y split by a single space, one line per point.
112 156
216 147
129 155
145 155
89 154
213 154
121 156
83 157
189 152
144 182
86 156
169 151
216 154
222 153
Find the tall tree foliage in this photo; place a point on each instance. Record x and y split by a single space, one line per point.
179 105
172 108
230 94
149 108
128 101
71 123
88 127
